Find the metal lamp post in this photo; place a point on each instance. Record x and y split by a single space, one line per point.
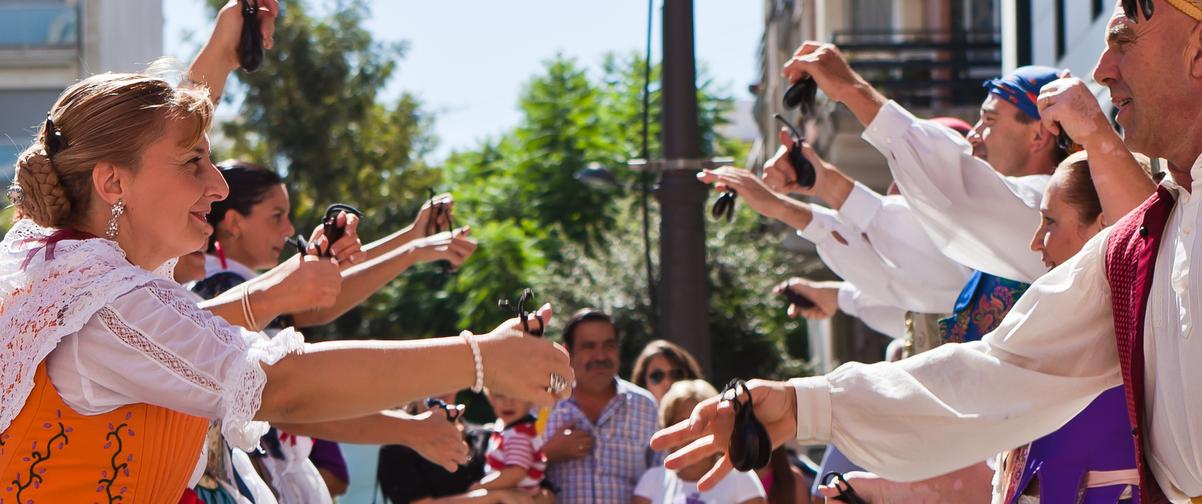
681 294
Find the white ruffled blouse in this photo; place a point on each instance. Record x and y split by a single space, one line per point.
140 337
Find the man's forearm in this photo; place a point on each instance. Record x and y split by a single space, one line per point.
835 188
796 214
863 100
1121 182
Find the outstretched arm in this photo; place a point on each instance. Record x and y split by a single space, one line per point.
429 434
362 280
934 406
937 174
218 58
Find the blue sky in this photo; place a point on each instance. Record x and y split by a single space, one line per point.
468 60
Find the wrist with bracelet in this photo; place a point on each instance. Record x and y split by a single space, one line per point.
470 339
248 312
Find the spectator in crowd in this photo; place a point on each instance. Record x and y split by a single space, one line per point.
661 364
784 482
662 486
597 439
515 457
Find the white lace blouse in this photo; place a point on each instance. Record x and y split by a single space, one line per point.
113 334
153 345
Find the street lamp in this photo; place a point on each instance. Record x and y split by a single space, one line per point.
596 176
680 312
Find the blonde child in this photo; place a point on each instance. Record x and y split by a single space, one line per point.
514 459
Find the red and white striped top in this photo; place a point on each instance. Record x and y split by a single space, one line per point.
518 445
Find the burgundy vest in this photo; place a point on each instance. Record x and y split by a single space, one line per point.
1131 252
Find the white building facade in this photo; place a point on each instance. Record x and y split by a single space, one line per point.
46 45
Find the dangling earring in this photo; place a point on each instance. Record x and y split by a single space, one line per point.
118 211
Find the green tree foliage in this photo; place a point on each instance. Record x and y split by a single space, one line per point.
593 239
312 112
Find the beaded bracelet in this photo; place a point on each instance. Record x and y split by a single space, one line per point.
475 346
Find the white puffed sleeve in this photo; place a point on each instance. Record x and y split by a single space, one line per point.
153 345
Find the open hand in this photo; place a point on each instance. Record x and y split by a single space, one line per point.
434 438
451 246
707 431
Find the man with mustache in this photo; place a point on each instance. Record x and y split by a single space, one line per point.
597 440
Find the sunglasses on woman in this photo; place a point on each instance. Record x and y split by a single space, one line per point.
656 377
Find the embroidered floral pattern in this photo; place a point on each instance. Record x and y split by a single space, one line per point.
118 463
992 300
993 308
33 478
47 300
1015 462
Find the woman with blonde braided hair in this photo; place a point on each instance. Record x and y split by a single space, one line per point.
109 372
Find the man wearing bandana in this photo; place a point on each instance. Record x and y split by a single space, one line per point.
1004 164
1120 312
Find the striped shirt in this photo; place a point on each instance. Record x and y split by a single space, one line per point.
518 445
621 450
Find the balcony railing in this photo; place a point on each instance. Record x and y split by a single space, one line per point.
925 69
39 27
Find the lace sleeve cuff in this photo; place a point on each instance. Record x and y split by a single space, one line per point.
243 388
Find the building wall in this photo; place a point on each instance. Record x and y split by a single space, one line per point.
121 35
50 44
1083 29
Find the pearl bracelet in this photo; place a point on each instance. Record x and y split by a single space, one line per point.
475 346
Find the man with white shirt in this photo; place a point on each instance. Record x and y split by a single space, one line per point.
1121 311
896 277
967 203
888 267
